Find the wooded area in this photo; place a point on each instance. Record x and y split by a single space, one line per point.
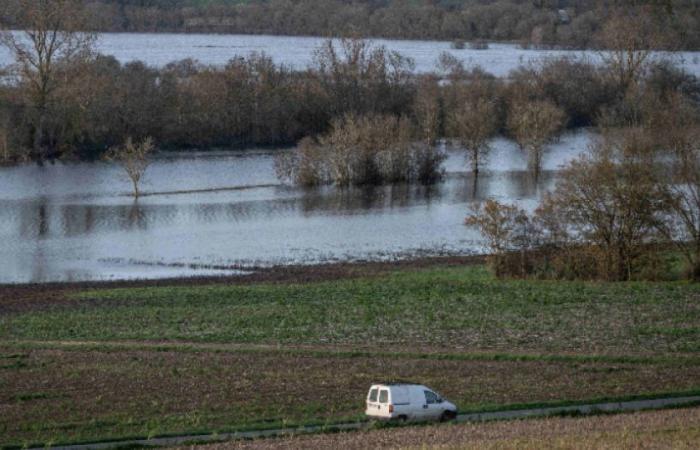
545 23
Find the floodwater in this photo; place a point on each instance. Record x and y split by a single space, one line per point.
77 221
297 52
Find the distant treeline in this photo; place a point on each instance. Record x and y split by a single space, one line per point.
566 23
98 102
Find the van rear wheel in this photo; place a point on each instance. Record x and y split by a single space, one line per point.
402 419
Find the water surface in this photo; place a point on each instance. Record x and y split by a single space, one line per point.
76 221
297 52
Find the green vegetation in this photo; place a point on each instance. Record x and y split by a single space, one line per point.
463 307
113 363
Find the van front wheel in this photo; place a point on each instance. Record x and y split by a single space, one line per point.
447 416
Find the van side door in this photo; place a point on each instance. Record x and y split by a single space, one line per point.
432 408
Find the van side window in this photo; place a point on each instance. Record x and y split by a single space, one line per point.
430 397
373 395
383 396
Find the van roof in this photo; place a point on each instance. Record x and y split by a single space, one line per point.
397 383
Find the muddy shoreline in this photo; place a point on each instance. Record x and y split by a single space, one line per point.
17 298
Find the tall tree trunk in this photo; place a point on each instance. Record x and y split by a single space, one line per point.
38 138
137 193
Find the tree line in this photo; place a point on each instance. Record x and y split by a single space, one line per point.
62 100
548 23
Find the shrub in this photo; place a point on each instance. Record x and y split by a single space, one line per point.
362 150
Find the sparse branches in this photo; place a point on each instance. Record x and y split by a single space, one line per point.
627 40
473 124
134 157
534 124
510 234
679 130
611 201
54 34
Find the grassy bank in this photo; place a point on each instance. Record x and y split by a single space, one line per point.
91 363
453 308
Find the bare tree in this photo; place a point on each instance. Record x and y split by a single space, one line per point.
55 33
534 124
134 158
678 129
473 124
611 200
427 110
510 234
628 40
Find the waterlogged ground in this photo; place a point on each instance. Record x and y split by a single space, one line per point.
218 213
297 52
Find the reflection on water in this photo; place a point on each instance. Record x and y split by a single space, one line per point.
77 222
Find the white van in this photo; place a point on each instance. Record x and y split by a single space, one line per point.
404 402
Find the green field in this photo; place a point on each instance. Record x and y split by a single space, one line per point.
89 364
462 307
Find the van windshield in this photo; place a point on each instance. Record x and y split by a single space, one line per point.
431 397
373 395
383 396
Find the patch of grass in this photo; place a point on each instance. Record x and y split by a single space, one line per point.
29 396
13 361
440 307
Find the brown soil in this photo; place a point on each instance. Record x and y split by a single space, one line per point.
132 392
678 429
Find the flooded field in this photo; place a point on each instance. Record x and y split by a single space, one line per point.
222 212
297 52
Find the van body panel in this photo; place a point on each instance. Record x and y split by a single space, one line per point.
413 402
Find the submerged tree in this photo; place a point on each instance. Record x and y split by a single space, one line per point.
134 158
54 35
534 124
473 124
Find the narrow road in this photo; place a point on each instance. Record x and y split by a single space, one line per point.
612 407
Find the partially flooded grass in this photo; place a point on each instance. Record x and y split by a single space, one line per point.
452 308
677 428
78 395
